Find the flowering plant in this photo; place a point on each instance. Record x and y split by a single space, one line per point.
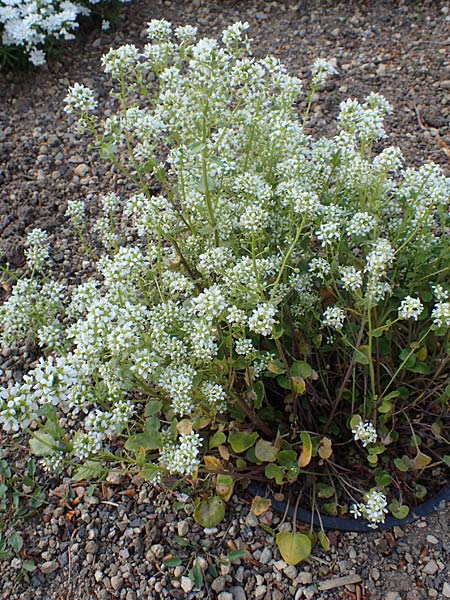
33 26
268 305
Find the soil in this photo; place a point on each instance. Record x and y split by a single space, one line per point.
398 48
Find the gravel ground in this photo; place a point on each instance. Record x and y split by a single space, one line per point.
112 543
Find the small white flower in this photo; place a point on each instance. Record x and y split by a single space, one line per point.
333 316
106 25
262 319
351 278
79 98
365 432
37 58
373 508
441 314
244 346
410 308
321 68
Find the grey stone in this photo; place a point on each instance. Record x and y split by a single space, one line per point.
116 581
49 566
219 583
430 568
187 585
238 593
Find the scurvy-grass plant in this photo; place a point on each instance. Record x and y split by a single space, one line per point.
33 26
282 312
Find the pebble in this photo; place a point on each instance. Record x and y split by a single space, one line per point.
238 592
260 591
116 581
304 577
392 596
290 572
266 556
430 568
81 170
219 584
183 528
49 566
225 596
431 539
187 585
446 590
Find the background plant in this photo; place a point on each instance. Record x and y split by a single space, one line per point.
30 31
268 306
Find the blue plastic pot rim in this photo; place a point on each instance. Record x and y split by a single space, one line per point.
438 502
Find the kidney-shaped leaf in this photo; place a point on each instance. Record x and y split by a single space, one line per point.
294 547
209 513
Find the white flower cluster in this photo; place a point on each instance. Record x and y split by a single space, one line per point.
29 24
365 432
333 316
374 508
38 249
182 458
410 308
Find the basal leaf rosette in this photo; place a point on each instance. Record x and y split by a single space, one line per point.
269 303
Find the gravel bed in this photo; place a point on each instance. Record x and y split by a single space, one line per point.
111 542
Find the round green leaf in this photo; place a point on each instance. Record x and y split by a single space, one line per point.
209 513
240 441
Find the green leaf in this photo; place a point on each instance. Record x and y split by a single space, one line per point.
325 491
300 368
217 439
401 465
196 575
107 151
236 555
149 439
16 541
287 458
421 368
400 511
150 472
29 566
446 459
355 420
265 451
42 444
260 392
362 355
172 562
153 407
209 513
420 491
90 470
284 382
383 478
331 508
324 541
273 471
294 547
306 454
240 441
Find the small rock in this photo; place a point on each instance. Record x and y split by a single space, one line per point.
219 583
392 596
238 593
91 547
446 590
81 171
187 584
431 539
260 591
225 596
183 528
49 566
116 581
375 574
251 520
430 568
304 577
309 593
114 477
290 572
266 556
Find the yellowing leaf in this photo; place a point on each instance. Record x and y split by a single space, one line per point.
260 505
224 486
421 461
184 427
224 452
305 456
325 449
294 547
212 463
265 451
